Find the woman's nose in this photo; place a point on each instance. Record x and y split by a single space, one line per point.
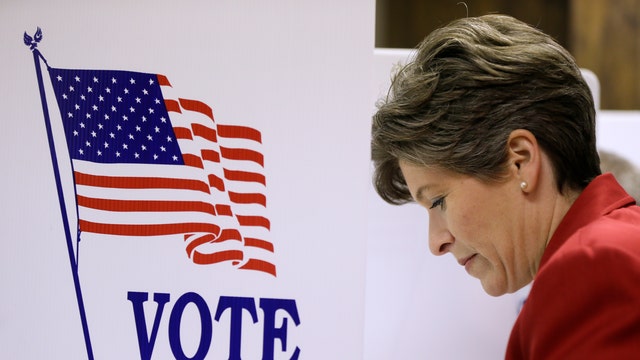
440 239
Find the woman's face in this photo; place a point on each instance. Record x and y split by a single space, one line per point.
481 224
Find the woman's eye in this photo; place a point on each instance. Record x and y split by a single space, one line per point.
438 202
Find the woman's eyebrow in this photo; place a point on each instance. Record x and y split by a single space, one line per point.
420 194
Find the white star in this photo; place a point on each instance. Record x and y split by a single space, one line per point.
106 145
100 126
81 151
131 136
113 108
125 146
138 129
163 119
125 118
107 90
77 79
95 79
93 134
70 115
143 147
138 100
157 101
144 91
64 96
163 149
132 81
136 155
75 133
106 116
144 118
132 109
88 144
175 158
77 107
59 78
71 88
112 135
100 98
99 153
117 153
89 89
113 80
169 139
150 81
150 111
88 116
82 97
157 129
118 127
82 125
95 107
150 137
119 99
155 157
126 91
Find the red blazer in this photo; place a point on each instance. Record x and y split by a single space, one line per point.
585 300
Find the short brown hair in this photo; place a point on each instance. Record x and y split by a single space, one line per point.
470 84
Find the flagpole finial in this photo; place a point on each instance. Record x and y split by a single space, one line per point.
32 42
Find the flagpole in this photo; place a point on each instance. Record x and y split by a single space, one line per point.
56 171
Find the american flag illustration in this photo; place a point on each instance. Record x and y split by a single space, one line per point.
148 163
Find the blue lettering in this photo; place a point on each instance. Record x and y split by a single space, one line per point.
271 332
145 342
236 304
205 324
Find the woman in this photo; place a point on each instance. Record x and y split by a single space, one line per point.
492 129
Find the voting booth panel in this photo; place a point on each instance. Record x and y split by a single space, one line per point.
184 179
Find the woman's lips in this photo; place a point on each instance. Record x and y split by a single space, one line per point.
466 262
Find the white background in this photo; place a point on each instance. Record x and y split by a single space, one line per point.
297 71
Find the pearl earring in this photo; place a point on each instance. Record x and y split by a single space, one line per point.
523 185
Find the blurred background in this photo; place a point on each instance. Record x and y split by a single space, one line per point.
603 35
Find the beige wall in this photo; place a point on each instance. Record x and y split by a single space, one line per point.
603 35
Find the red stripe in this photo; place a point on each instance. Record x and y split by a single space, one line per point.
205 259
225 235
260 265
241 198
237 175
210 155
258 243
197 242
129 182
246 220
242 132
197 106
192 160
216 182
172 105
163 80
204 132
225 210
145 205
147 229
182 133
242 154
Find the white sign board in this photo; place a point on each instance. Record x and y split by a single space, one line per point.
210 157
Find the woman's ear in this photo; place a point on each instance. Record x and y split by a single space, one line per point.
524 159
